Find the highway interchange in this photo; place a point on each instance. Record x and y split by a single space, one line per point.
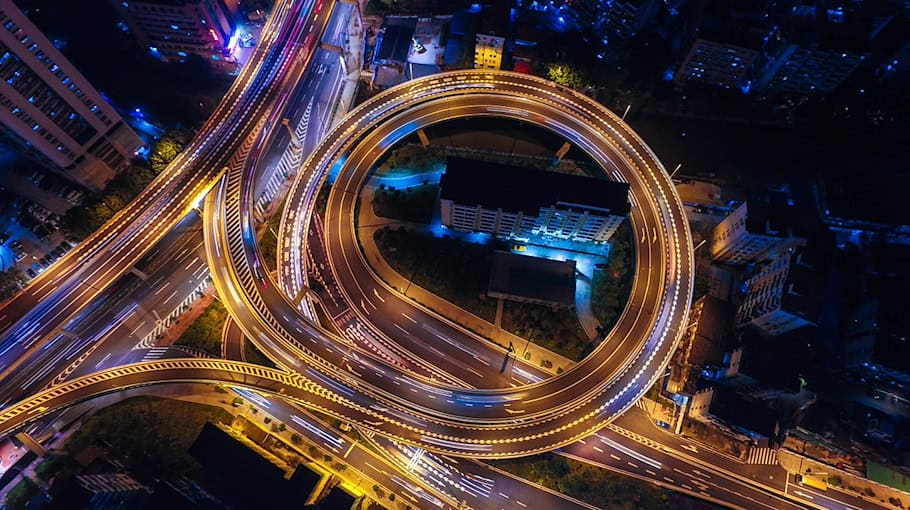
266 315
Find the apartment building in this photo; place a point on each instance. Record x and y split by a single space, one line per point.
53 111
519 203
175 29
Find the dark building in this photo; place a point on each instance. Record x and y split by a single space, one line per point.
175 29
102 491
244 479
621 19
532 280
708 351
746 414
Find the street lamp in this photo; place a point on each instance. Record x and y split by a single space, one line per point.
628 106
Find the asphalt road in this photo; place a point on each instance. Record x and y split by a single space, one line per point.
30 320
592 391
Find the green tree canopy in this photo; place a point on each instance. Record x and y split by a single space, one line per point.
566 76
8 283
167 148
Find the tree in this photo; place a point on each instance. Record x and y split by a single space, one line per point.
296 439
566 76
167 148
21 494
9 283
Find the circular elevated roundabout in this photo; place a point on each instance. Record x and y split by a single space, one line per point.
331 375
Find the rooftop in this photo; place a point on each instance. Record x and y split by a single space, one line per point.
781 220
396 40
514 189
806 280
532 278
740 411
713 332
231 464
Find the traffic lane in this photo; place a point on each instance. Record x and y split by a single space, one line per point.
117 259
129 335
364 293
301 96
14 309
350 452
479 485
832 499
633 387
699 481
232 341
92 325
508 490
141 215
354 267
345 321
637 421
151 301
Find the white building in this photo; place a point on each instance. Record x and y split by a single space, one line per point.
751 235
519 203
782 295
47 106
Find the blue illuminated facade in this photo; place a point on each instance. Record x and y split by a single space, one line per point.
175 29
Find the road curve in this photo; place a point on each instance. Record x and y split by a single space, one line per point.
350 384
481 423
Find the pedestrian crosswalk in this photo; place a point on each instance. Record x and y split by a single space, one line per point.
765 456
155 353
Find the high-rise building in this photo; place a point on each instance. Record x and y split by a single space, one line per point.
752 233
174 29
519 203
824 47
621 19
490 40
718 64
782 295
48 107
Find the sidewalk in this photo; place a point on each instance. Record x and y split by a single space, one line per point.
353 61
839 479
186 319
368 223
